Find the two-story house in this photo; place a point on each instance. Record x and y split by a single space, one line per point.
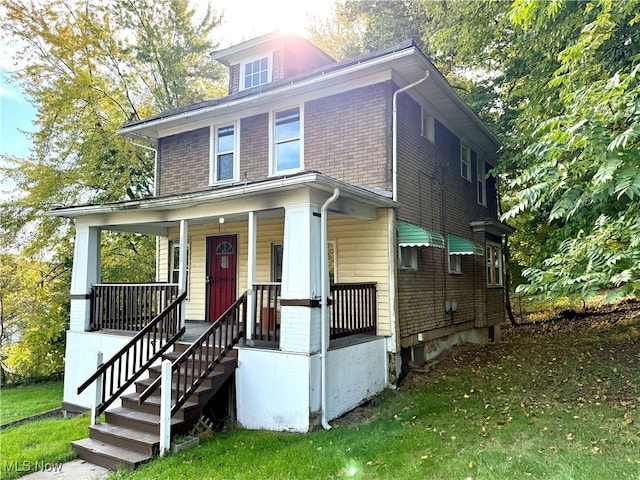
326 222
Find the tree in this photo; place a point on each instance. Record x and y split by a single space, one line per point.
34 302
581 166
88 67
557 82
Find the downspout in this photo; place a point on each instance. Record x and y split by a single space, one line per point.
324 310
394 160
394 127
155 163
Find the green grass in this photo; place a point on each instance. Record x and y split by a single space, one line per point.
42 441
554 401
21 402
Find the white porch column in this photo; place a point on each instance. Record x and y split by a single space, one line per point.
182 272
251 273
85 272
300 329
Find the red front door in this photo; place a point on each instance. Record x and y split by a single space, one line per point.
221 275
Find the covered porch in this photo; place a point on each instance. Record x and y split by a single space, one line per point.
296 253
124 308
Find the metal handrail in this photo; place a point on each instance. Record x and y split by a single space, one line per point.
136 359
208 349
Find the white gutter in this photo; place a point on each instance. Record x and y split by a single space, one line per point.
324 310
193 199
395 131
155 163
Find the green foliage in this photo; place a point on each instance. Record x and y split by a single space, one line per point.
88 67
35 315
581 165
557 80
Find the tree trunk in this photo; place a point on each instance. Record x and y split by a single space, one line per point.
507 283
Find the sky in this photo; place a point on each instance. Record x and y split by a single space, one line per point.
242 20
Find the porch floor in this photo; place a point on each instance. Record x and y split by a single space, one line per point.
193 330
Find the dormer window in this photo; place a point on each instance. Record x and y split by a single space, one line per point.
256 72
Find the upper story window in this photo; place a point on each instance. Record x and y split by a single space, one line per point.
481 182
465 162
224 164
256 72
428 126
287 140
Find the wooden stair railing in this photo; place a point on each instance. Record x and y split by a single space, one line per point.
194 365
132 360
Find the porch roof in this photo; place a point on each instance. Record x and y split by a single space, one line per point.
153 216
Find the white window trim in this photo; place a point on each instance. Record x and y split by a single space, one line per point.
465 159
498 248
414 259
243 65
173 246
455 264
481 182
273 170
213 153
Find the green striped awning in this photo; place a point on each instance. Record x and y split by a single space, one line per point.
410 235
462 246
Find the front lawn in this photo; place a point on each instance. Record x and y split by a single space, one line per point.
23 401
39 443
558 400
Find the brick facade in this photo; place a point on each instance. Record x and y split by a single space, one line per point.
348 136
433 194
183 163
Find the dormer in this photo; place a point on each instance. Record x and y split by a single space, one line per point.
269 58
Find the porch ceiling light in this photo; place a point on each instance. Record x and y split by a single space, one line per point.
410 235
462 246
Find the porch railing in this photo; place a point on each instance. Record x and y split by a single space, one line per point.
148 345
353 310
267 312
128 307
192 367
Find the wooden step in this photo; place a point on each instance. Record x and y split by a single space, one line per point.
108 455
207 384
225 364
126 437
182 347
144 421
152 405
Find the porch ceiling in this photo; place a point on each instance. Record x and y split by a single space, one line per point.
154 216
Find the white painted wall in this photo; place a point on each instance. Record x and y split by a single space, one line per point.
80 363
280 391
355 374
273 390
